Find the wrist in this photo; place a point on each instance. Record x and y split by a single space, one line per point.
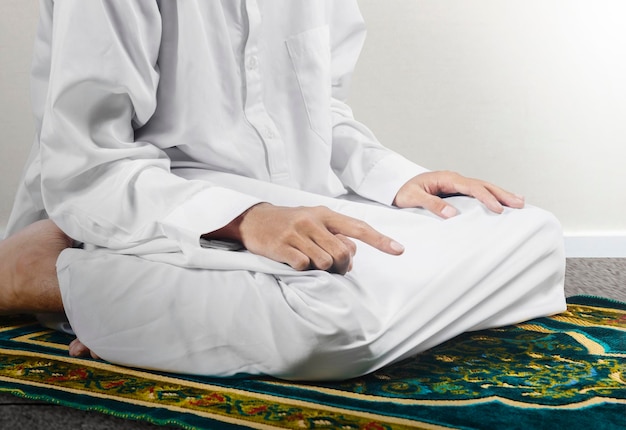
232 230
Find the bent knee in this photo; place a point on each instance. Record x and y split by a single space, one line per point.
548 234
339 355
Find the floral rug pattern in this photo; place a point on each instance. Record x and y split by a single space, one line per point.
565 371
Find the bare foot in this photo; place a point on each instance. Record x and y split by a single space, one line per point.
28 278
78 349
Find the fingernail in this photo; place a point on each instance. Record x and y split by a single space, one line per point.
519 197
448 212
396 246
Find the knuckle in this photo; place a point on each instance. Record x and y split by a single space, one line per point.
287 236
316 210
324 214
361 226
347 246
382 242
351 248
343 258
300 263
302 221
324 263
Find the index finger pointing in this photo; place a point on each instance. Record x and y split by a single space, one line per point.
357 229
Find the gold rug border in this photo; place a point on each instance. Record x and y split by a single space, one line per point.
592 347
448 403
599 308
28 339
16 326
203 386
307 404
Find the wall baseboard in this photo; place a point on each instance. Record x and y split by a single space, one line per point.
595 246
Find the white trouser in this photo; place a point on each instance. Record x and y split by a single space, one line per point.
245 314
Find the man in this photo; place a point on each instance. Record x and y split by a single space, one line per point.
164 126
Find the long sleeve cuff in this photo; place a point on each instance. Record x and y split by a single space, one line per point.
200 214
387 176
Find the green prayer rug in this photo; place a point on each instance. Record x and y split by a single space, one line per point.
563 372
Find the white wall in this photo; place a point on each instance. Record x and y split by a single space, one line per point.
18 20
529 94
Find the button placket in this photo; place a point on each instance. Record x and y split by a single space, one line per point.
255 110
253 62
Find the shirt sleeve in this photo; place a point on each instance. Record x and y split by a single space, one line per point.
98 183
362 163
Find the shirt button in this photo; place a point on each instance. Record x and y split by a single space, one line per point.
268 133
253 62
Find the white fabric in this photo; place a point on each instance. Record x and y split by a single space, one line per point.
142 106
126 91
476 270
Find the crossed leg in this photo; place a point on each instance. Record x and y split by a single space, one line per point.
475 271
504 269
28 277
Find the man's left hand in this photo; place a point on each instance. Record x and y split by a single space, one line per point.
425 190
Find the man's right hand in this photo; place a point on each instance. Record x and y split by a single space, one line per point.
304 237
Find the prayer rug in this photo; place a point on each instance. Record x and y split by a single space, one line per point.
567 371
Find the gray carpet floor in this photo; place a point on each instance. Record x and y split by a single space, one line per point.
602 277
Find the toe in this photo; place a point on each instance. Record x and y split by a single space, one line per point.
78 349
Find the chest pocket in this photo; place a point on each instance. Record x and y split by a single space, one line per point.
310 56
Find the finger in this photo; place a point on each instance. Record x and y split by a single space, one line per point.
319 258
341 250
357 229
438 206
489 194
475 188
494 197
326 251
482 194
506 197
294 258
348 243
351 246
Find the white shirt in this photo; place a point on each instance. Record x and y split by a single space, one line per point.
127 92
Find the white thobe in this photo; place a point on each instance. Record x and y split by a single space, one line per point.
126 91
159 121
